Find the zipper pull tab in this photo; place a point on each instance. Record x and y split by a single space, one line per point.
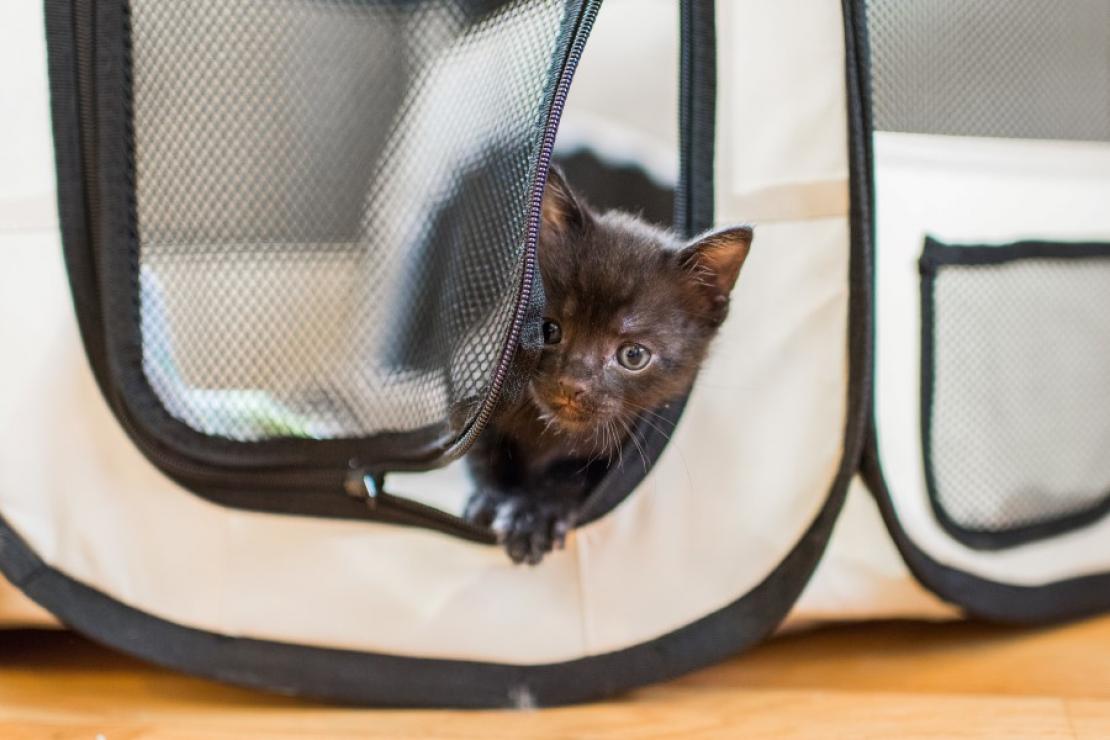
364 485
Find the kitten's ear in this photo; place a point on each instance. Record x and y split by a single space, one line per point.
562 210
714 261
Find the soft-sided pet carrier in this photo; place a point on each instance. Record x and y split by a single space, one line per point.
300 240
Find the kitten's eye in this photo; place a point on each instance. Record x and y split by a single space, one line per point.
634 357
552 332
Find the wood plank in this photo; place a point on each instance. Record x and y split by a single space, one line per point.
863 681
1071 660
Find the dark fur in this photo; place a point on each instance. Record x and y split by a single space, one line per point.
609 279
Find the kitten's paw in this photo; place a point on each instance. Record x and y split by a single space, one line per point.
481 507
528 527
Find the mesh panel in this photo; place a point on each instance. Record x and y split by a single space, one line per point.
1020 423
332 198
1035 69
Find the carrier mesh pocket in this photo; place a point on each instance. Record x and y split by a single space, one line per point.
1016 373
1035 69
332 199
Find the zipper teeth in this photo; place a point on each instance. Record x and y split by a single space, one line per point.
524 296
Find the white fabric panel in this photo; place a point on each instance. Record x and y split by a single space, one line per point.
862 575
624 100
26 186
783 122
969 191
749 466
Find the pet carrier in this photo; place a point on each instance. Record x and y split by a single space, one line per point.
296 240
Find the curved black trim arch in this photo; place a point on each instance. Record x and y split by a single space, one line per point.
369 678
1060 601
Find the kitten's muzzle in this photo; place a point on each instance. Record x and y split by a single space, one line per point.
572 412
572 390
571 401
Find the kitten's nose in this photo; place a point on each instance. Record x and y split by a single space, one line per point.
572 388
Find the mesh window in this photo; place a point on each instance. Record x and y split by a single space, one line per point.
332 199
1017 363
1036 69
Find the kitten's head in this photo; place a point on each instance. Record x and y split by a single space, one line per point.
630 311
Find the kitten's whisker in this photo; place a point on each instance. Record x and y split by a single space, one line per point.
636 442
646 416
612 441
654 425
681 456
646 409
658 430
656 420
619 444
646 412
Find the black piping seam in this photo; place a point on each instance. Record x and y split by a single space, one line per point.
697 116
934 258
937 254
74 208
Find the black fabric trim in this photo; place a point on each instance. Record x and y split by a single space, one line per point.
1059 601
697 116
367 678
861 313
935 256
74 210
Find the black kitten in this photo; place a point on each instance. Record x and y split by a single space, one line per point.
630 313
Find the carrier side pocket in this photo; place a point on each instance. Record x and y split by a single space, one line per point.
1015 388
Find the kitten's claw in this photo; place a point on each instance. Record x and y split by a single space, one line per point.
528 527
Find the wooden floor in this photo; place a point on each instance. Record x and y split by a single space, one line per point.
866 681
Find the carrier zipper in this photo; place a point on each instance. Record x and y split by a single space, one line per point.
581 32
368 486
